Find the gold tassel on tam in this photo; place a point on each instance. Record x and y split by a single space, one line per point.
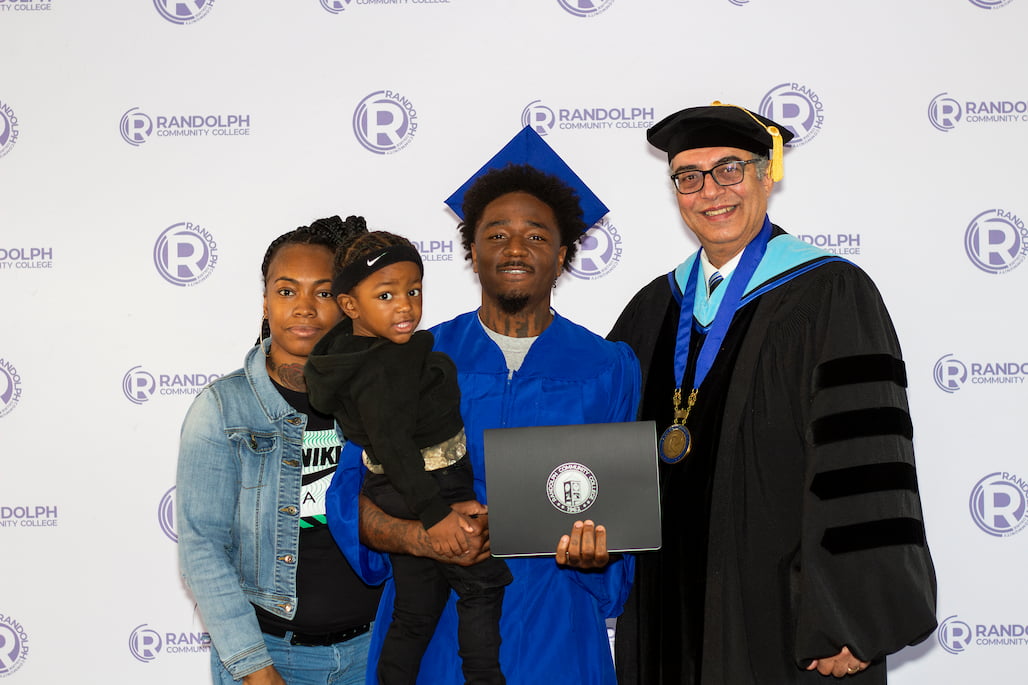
777 146
777 151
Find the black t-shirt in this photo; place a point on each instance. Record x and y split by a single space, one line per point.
330 595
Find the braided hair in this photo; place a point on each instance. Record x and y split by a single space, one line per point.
330 232
358 244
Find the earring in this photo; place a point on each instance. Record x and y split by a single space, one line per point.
265 333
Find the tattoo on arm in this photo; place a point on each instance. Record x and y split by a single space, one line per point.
386 533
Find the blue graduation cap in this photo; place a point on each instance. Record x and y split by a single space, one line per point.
528 147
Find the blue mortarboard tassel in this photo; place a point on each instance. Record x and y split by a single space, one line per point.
528 147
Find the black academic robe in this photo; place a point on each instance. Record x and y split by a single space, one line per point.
795 526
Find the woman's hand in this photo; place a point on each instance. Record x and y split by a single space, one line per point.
266 676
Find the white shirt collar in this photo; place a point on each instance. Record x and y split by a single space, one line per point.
726 269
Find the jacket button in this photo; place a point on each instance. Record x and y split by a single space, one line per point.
290 462
295 420
287 558
289 510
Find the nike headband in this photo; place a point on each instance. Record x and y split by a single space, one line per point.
370 262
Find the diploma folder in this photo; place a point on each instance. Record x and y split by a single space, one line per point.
540 480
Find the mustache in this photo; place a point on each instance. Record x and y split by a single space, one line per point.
515 264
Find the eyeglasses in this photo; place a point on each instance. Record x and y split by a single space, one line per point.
724 174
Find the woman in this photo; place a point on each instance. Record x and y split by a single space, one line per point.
277 596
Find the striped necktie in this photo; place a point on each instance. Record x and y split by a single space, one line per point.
714 282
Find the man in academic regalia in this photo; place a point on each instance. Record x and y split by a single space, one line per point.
793 542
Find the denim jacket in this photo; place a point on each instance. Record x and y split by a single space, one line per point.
238 509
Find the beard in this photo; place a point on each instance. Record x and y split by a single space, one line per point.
512 303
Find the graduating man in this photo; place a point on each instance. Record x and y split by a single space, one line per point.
519 363
794 546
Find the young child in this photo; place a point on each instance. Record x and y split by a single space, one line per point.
398 399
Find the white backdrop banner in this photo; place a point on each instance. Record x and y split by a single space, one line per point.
150 151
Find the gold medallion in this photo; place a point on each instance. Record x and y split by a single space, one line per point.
675 444
676 441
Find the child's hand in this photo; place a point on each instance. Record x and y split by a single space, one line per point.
470 508
450 536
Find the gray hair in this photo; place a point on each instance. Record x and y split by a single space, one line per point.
762 165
